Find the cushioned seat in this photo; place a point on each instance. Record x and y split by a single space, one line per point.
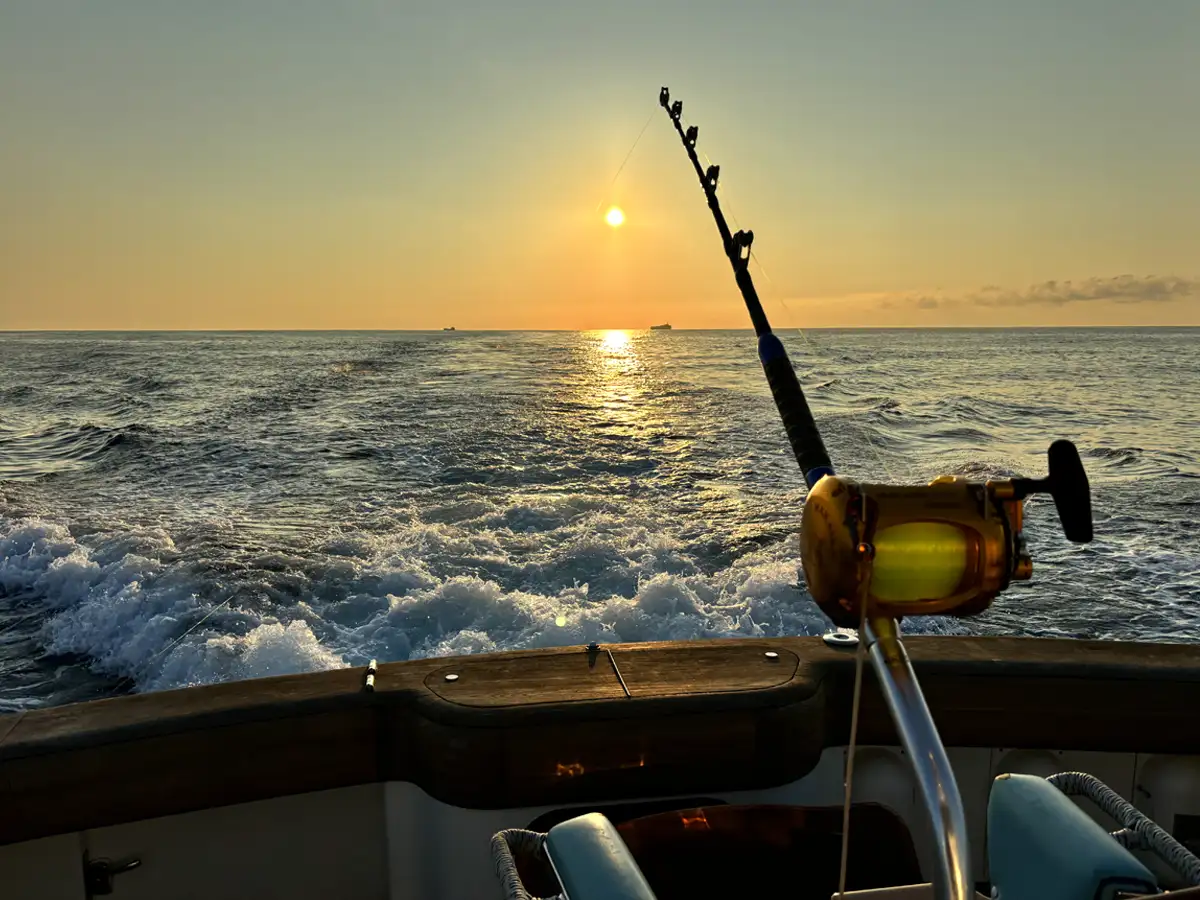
1041 846
593 863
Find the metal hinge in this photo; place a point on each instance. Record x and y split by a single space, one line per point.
98 874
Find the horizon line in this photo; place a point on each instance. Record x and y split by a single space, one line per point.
575 330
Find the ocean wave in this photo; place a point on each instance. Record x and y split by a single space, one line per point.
1116 455
61 446
189 509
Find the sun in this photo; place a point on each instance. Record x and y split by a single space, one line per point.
614 216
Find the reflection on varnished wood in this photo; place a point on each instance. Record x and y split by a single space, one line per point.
526 680
705 668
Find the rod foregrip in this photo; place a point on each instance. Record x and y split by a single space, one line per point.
793 409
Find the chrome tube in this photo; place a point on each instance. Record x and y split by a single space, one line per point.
938 789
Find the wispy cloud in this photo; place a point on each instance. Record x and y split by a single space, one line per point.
1119 289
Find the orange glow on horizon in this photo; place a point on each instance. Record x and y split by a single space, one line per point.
372 201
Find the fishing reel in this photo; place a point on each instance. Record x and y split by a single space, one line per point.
945 548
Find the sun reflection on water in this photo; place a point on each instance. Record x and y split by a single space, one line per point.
616 386
617 343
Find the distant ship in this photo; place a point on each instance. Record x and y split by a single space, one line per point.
660 327
451 328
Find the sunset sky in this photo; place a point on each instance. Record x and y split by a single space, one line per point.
372 164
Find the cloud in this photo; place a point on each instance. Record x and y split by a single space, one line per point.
921 301
1119 288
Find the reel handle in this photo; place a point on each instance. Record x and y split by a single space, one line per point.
1067 483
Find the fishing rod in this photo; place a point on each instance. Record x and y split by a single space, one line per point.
793 408
874 553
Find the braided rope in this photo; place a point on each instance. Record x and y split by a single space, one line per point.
1137 831
506 846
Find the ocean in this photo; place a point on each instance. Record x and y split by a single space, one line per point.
186 508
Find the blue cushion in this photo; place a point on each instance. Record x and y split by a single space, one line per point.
593 863
1041 846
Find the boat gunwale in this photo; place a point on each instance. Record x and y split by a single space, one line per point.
144 756
402 684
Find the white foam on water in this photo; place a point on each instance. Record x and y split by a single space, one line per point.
271 648
131 603
117 601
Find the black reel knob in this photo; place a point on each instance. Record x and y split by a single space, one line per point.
1067 483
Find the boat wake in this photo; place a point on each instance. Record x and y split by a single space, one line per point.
144 610
177 510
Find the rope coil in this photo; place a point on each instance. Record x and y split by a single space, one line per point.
1137 832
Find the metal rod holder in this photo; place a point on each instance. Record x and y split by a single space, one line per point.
935 779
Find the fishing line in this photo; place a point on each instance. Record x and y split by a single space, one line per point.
879 458
9 626
621 167
708 162
175 643
791 319
859 657
887 470
17 620
733 215
205 618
